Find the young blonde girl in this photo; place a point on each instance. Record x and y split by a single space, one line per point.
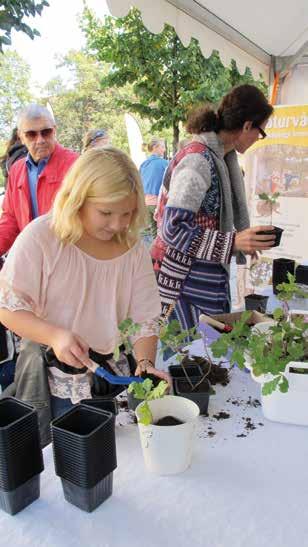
74 275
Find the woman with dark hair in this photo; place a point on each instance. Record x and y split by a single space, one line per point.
13 152
202 214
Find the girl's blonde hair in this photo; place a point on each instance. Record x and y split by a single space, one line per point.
99 175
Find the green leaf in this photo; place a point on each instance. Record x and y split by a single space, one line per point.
284 385
144 414
278 314
269 387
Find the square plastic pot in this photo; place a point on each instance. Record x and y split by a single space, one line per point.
201 396
16 500
281 268
88 499
301 274
276 231
84 445
102 403
20 450
256 302
176 371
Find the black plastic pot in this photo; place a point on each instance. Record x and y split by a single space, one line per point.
102 403
88 499
176 371
13 501
20 451
200 396
281 268
256 302
84 445
301 274
277 232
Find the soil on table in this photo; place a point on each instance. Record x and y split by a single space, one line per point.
168 420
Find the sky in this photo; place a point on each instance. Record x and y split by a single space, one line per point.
58 26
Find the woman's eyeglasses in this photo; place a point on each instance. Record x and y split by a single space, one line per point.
45 133
262 134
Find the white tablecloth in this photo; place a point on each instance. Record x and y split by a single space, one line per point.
246 488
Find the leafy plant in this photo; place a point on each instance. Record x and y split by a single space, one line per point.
289 290
127 328
146 392
271 199
269 353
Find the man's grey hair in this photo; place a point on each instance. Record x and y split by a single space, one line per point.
34 111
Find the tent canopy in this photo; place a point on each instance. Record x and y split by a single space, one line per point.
268 36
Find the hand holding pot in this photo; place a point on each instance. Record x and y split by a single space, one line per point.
248 241
159 373
69 348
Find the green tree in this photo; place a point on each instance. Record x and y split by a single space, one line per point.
14 90
80 103
167 78
12 13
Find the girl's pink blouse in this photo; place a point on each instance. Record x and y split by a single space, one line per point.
70 289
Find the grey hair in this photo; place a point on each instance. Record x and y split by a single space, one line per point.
155 141
34 111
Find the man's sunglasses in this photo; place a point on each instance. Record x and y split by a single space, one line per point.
45 133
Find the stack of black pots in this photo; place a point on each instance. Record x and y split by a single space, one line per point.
281 268
85 455
21 460
301 274
108 404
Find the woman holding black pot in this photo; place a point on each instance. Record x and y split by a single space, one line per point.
202 215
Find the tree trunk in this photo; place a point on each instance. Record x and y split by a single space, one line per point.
176 136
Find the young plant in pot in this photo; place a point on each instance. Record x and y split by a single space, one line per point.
253 301
128 328
190 378
276 353
166 426
270 204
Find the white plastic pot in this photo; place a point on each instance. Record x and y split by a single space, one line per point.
167 450
290 407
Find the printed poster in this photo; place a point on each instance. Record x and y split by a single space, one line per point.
279 164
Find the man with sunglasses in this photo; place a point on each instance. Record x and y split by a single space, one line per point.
34 180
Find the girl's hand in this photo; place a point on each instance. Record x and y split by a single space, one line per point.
70 348
248 241
159 373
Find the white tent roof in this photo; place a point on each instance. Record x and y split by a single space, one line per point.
253 33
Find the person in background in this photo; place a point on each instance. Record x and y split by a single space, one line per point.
34 180
94 138
72 277
202 216
152 171
13 152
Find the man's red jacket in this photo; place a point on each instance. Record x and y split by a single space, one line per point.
16 208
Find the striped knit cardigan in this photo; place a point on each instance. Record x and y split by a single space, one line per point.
201 202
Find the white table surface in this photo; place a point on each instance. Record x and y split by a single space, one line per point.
241 491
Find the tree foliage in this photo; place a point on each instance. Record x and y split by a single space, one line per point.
81 104
14 90
167 78
12 13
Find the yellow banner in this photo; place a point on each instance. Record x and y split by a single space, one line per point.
288 125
